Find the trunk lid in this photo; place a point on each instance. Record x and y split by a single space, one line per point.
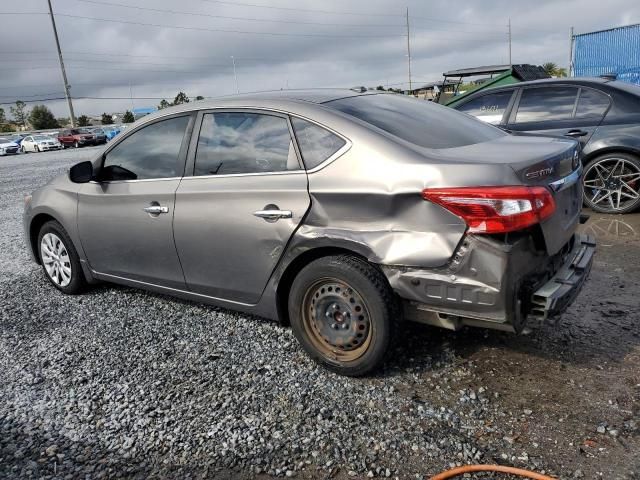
536 161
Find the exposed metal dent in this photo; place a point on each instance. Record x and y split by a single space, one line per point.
480 281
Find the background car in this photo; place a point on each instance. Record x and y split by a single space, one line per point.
110 132
603 114
74 137
17 138
8 147
101 136
39 143
338 212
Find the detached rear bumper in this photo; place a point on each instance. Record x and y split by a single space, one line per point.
560 291
494 284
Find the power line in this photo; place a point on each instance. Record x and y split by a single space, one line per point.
251 19
297 22
308 10
360 14
220 30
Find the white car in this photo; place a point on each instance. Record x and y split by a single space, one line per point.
39 143
8 147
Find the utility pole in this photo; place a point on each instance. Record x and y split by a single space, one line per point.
510 41
409 50
234 73
72 117
571 39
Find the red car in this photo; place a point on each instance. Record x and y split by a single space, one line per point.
76 138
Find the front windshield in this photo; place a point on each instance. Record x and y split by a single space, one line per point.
39 138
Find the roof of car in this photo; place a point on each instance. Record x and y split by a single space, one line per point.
314 95
279 99
577 80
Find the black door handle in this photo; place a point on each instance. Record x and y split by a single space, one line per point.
576 133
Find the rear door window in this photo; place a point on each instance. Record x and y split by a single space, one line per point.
244 142
591 104
316 144
543 104
489 108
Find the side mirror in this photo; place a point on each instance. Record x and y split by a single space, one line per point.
81 172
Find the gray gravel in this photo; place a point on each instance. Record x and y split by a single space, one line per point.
120 382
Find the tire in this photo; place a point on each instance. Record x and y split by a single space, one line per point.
612 183
76 145
67 276
37 148
344 314
22 149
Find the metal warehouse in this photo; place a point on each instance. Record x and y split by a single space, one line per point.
613 51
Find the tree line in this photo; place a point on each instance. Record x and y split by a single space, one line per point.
41 118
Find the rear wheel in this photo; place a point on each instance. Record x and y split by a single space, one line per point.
612 183
343 313
59 259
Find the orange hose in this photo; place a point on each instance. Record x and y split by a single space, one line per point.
454 472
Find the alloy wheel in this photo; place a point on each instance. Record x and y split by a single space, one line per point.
337 320
612 184
55 259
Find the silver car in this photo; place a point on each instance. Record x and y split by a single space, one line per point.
341 213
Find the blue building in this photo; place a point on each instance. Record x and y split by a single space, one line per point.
613 51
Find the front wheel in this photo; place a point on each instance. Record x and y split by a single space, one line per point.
22 149
344 314
59 259
37 148
612 183
76 145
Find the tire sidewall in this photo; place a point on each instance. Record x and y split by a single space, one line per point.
78 282
380 313
630 158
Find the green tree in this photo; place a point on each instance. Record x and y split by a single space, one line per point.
181 98
83 121
128 117
41 118
106 119
553 70
3 118
163 104
380 87
199 97
20 113
63 121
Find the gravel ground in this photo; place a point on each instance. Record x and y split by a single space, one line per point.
120 382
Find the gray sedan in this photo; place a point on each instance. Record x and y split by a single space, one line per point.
341 213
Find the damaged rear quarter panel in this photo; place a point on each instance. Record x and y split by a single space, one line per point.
369 200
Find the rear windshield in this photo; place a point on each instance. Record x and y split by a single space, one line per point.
420 122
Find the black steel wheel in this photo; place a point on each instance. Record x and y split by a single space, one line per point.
343 313
612 183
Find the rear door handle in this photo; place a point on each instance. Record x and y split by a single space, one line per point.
273 214
156 209
576 133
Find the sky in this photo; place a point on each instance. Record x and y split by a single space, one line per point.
131 53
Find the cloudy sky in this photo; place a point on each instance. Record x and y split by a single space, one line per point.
149 49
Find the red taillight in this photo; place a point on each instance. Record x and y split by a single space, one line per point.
495 209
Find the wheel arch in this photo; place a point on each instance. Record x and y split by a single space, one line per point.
628 149
295 266
34 229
